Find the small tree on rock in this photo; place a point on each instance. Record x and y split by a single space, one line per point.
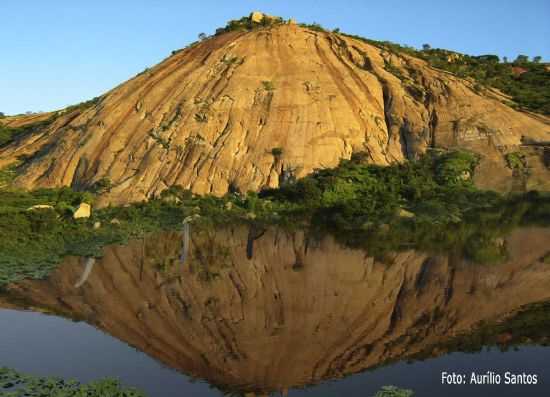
522 59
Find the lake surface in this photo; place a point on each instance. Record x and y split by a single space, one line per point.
283 313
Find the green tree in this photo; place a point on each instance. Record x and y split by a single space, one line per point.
522 59
537 59
426 47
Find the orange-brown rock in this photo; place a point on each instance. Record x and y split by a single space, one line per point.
209 116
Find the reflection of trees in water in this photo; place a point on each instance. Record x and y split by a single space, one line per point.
185 241
88 266
254 233
209 256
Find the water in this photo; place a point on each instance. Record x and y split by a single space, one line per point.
307 318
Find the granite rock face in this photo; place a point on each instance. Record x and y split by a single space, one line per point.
209 116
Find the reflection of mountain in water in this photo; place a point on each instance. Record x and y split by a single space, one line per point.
298 312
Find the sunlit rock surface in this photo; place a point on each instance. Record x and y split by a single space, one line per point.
208 117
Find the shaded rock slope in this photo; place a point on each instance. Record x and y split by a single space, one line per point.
209 116
298 312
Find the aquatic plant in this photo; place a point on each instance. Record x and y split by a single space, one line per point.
15 384
392 391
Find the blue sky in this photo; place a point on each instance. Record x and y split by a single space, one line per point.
57 53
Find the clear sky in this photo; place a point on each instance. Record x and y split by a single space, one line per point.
57 53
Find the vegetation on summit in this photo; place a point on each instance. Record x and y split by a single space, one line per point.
526 82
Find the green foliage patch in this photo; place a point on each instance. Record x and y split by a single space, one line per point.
268 85
15 384
10 134
246 24
526 82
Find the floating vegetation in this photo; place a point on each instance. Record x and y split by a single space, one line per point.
15 384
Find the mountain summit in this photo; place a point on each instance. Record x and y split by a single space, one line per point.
264 99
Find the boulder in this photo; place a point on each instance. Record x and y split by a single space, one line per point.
84 210
115 221
97 225
256 17
403 213
465 175
251 216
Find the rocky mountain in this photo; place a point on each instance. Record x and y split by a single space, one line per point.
243 322
245 107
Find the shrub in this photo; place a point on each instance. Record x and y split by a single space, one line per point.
178 192
515 160
313 26
277 151
201 117
456 167
245 23
268 85
102 185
